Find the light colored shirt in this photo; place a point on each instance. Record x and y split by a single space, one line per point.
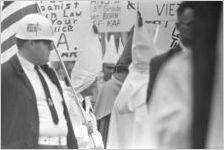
46 124
129 114
106 97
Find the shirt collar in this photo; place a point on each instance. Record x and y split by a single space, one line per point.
25 63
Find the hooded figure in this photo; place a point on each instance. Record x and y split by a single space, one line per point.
130 109
83 77
88 64
111 55
110 89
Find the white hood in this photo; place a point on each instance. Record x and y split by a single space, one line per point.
88 64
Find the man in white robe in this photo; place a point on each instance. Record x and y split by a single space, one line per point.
130 109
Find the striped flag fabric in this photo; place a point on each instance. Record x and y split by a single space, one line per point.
11 13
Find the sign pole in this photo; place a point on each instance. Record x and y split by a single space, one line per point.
73 90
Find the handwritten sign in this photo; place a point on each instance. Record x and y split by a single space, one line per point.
120 16
159 10
70 21
164 14
113 15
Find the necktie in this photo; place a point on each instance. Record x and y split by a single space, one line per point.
48 96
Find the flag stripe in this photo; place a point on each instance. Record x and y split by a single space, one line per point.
8 54
17 16
8 32
17 5
8 43
6 4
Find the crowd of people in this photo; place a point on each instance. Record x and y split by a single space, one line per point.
136 99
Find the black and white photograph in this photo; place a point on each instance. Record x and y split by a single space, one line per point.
111 74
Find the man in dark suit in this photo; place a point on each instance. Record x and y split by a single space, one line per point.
33 110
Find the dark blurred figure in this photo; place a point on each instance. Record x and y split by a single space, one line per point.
204 62
214 135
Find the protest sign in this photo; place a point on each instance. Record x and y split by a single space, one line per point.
70 21
120 16
164 14
113 15
159 10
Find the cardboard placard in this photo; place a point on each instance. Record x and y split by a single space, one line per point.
70 21
164 14
121 15
113 15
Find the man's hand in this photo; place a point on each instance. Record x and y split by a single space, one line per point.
89 126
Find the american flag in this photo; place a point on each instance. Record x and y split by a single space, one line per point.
11 13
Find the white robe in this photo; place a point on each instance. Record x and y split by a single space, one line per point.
84 140
127 122
170 109
128 117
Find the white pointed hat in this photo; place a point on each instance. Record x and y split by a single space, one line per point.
143 48
88 64
120 49
110 55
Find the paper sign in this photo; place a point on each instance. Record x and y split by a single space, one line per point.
113 15
159 10
121 15
164 14
70 21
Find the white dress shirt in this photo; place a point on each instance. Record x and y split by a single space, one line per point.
46 124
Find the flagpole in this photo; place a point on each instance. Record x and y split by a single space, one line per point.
73 90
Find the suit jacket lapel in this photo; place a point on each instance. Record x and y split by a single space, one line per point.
19 70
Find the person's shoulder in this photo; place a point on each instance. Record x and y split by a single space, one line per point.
6 67
165 55
7 72
178 63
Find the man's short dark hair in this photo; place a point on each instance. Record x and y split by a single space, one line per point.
184 5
